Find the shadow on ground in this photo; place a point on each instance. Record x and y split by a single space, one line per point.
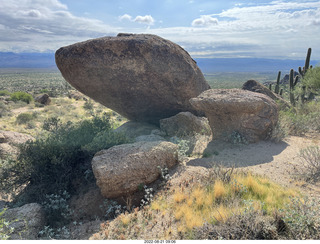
239 155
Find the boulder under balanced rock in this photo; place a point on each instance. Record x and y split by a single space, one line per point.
121 169
186 126
143 77
238 112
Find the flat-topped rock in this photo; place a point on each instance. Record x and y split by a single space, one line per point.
120 170
235 111
142 77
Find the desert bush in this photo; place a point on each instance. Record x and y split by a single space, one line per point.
304 119
21 96
24 118
53 163
280 131
301 216
4 93
312 80
57 209
183 146
4 110
88 105
52 124
311 158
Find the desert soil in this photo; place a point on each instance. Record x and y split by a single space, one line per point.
279 162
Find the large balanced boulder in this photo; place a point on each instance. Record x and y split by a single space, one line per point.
236 112
121 169
142 77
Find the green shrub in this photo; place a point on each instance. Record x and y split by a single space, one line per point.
4 110
52 164
312 80
4 93
304 119
57 209
51 124
21 96
301 217
24 118
88 105
311 157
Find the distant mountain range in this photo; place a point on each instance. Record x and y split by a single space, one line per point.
207 65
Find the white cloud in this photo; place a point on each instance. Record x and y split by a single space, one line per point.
125 17
205 20
147 19
44 25
271 30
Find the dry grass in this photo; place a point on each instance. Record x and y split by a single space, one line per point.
178 212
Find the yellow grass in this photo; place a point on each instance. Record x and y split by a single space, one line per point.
221 213
179 196
214 203
125 219
219 190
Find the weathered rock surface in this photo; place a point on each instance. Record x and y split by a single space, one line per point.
121 169
134 129
254 86
250 114
9 141
195 130
142 77
184 124
43 99
87 205
27 221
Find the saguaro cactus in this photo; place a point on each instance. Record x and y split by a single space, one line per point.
277 89
292 83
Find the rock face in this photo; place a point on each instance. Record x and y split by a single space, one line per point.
142 77
9 141
254 86
121 169
27 221
186 126
43 99
134 129
235 111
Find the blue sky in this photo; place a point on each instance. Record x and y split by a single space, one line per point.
257 29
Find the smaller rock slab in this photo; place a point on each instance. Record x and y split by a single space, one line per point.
236 111
26 220
121 169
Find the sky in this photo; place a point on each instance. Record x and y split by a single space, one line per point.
205 28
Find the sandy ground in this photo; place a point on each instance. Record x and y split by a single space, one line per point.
278 161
